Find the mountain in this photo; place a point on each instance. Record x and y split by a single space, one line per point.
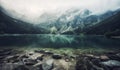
81 22
73 21
10 25
110 26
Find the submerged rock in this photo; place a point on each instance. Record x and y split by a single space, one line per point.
21 67
35 56
48 52
12 57
29 61
39 58
2 57
117 68
104 57
61 65
37 66
48 65
114 57
118 54
24 56
39 51
5 50
47 60
10 66
56 56
5 53
111 63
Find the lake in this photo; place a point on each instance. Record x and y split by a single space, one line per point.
58 41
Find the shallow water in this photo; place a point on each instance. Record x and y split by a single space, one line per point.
55 41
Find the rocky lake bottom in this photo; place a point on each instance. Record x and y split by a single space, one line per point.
58 52
59 59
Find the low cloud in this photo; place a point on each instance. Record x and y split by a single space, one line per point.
31 10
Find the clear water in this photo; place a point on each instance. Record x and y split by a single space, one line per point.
58 41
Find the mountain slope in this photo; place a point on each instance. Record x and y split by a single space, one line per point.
9 25
86 23
108 26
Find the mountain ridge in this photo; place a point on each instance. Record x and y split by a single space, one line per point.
71 22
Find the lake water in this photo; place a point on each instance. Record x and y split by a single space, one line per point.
58 41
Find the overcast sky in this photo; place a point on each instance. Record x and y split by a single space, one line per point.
34 8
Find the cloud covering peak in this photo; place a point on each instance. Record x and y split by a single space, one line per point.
31 10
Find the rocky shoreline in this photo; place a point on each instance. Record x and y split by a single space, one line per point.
11 59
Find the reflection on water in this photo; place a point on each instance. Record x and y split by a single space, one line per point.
49 40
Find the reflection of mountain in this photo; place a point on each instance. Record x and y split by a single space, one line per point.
109 26
12 26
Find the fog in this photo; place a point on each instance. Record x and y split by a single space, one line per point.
31 10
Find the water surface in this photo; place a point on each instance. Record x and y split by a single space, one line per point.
58 41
